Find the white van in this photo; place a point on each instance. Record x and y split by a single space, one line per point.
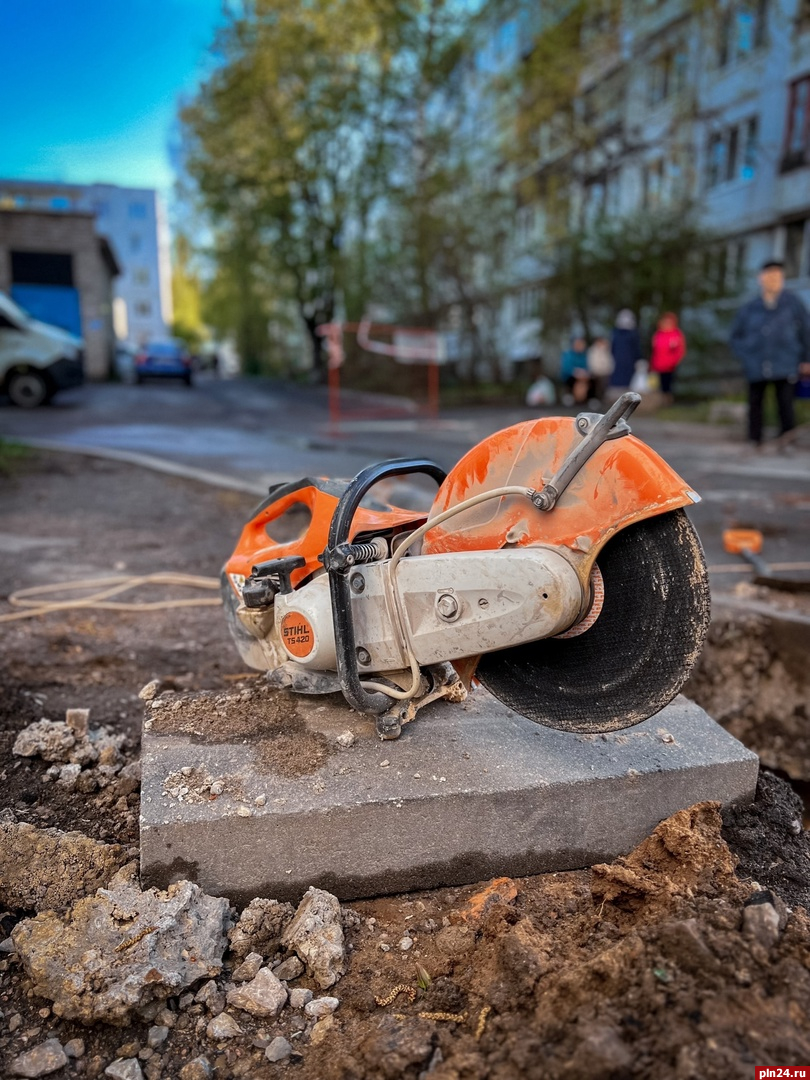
36 359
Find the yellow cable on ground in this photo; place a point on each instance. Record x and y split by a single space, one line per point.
107 587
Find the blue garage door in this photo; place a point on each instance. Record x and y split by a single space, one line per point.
55 304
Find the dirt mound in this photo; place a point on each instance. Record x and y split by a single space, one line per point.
752 678
667 962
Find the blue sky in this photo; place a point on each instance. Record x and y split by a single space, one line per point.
90 88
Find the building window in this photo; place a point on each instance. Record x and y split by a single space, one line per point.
60 202
737 264
795 248
716 168
742 30
143 308
797 143
732 153
140 275
528 304
750 148
135 243
664 78
652 184
137 211
101 208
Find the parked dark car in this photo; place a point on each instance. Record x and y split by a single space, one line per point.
163 360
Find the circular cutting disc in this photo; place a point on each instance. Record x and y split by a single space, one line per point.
636 656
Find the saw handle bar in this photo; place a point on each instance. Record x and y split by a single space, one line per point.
339 558
595 429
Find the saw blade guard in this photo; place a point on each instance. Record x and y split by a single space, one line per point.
624 508
625 481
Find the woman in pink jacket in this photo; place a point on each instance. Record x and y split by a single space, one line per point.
668 349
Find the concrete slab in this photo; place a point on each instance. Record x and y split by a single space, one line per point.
467 793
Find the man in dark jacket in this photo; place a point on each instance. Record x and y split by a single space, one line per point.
771 336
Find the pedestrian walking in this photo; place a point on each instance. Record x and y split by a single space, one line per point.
771 336
625 345
668 349
600 367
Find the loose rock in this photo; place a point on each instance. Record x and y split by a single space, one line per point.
150 691
346 739
211 997
299 997
316 935
222 1027
78 720
322 1029
322 1006
278 1050
46 869
264 996
249 968
125 1069
260 927
43 1059
156 1036
51 740
74 1048
289 969
198 1069
761 923
123 948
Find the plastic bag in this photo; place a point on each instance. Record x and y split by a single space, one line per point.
541 392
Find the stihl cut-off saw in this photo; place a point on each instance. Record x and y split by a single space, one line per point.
556 566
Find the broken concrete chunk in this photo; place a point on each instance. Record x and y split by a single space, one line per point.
260 927
316 935
263 996
124 1069
289 969
150 691
222 1027
46 869
42 1060
761 923
78 720
278 1050
121 949
211 997
198 1069
52 740
322 1006
249 968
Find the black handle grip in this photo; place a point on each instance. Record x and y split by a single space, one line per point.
340 593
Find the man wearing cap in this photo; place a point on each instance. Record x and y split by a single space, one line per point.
771 336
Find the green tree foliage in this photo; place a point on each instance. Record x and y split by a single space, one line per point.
186 296
324 158
286 142
649 262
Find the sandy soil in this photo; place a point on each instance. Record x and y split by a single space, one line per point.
650 967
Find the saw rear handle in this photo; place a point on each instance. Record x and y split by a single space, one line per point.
340 557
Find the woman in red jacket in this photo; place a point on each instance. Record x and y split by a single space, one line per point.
668 349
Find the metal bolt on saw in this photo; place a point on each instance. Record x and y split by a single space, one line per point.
556 566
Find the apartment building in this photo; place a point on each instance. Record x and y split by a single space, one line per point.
678 103
132 220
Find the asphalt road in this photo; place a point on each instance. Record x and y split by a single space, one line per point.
261 432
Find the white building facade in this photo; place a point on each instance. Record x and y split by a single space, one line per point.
133 221
703 104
